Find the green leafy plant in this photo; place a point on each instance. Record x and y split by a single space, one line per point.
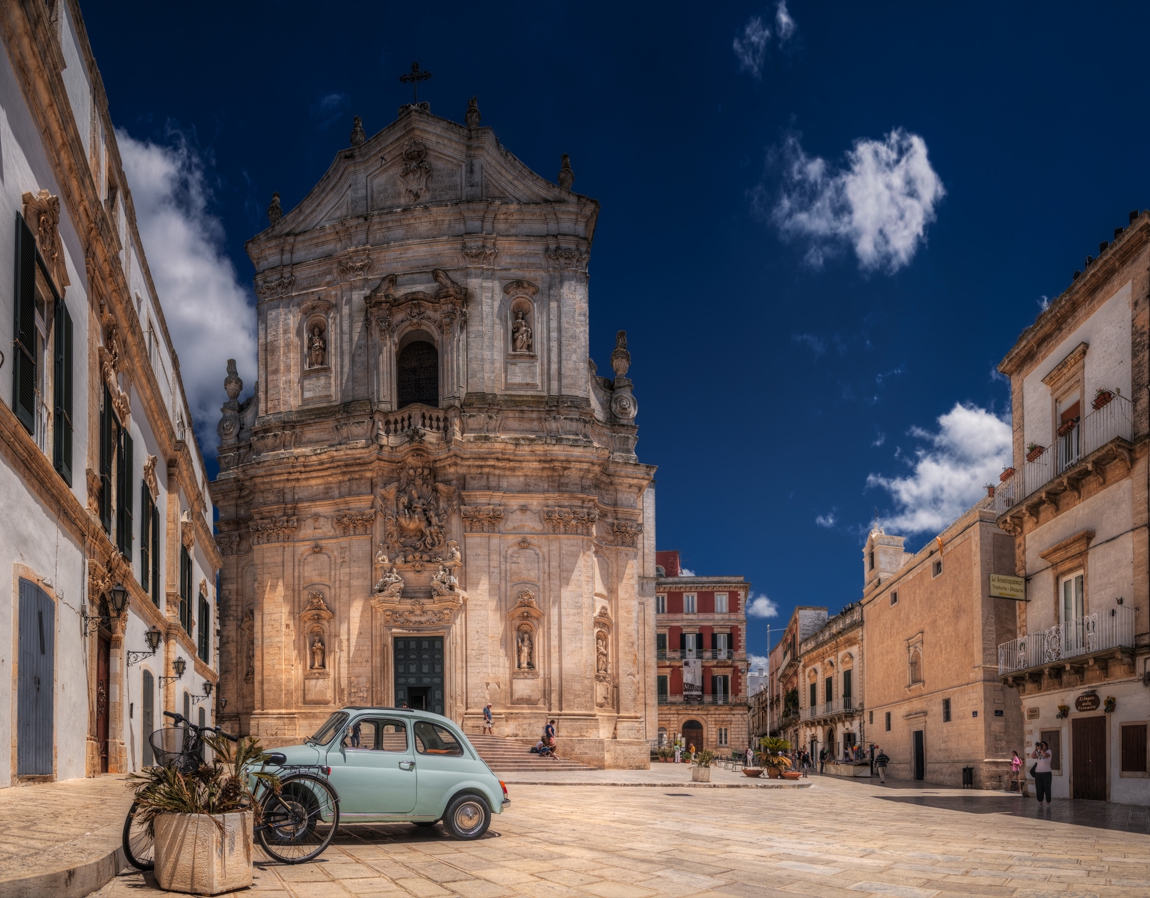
1109 704
1063 711
704 758
222 786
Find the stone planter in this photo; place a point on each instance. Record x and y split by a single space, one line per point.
195 857
752 771
791 774
700 774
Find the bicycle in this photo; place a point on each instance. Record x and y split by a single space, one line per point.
298 821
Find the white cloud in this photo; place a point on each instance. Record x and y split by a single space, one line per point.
967 451
686 572
879 439
761 606
826 520
784 24
818 347
751 47
208 312
1043 302
880 202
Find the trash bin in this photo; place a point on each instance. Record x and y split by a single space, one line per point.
968 777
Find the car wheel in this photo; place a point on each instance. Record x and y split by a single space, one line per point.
467 817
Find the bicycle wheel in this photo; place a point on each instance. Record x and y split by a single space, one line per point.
299 822
139 841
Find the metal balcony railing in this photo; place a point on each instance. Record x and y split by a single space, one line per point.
826 709
705 698
1115 420
701 654
1082 636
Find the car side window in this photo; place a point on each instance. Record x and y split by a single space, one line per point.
377 735
432 739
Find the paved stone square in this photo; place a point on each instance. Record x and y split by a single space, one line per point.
836 838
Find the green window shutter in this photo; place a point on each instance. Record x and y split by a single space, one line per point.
62 393
155 555
126 485
24 344
204 631
145 539
106 444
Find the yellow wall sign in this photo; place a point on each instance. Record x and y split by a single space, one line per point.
1004 587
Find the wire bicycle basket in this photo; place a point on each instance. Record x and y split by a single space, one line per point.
177 747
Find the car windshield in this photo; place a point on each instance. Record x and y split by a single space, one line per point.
327 732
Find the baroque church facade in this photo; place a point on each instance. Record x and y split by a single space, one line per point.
432 498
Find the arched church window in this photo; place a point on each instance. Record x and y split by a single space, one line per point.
417 375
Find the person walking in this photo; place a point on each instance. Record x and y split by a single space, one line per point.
822 760
1017 776
750 759
1042 774
488 723
880 762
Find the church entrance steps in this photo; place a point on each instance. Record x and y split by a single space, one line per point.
514 755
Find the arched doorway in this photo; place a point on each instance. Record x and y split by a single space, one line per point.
417 374
831 747
693 734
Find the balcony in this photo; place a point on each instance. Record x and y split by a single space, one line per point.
1098 632
701 655
840 707
1071 455
705 698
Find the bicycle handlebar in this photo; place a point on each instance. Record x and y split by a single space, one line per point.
180 719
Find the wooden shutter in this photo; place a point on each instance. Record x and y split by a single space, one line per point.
204 631
1134 748
155 554
106 453
145 539
124 499
714 641
682 642
62 393
24 344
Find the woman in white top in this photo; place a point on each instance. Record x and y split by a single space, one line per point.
1042 774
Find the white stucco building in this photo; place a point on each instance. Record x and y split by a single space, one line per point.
103 493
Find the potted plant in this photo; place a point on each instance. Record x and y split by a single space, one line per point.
773 760
665 753
1102 397
701 767
1109 704
1066 426
202 820
1033 451
1063 712
1007 473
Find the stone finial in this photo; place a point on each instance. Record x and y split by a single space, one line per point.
621 358
232 383
566 175
472 117
275 210
357 134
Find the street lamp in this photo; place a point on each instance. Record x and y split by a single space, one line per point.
119 596
179 665
153 637
207 693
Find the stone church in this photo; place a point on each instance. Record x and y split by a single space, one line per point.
432 498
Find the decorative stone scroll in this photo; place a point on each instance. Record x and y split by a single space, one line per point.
355 267
187 530
572 520
415 172
568 257
355 523
417 614
228 543
150 477
415 512
438 310
481 253
481 518
627 533
278 286
273 530
42 212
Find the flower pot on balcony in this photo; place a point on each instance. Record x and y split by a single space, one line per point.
1101 398
1035 453
1067 426
1006 474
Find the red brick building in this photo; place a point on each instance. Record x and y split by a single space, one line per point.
702 657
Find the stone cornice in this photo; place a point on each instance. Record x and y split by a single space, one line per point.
1068 548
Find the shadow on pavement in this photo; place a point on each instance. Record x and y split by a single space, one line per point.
1100 814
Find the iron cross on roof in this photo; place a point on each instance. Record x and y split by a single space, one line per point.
413 78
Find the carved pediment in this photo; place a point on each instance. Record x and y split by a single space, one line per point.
526 608
42 213
316 609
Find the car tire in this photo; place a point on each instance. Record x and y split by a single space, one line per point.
467 817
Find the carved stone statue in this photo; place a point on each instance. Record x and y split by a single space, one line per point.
472 116
251 671
566 175
318 654
443 583
390 585
521 333
453 556
525 650
316 348
275 210
601 652
357 133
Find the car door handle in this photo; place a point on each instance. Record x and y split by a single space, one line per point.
407 765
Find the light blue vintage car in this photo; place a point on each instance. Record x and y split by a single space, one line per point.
398 765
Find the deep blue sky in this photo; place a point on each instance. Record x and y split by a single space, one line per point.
769 389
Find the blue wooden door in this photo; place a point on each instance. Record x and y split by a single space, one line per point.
35 682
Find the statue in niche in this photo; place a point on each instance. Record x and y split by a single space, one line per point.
601 652
251 671
525 650
316 348
521 333
318 653
444 582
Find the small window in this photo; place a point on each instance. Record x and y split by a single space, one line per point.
689 605
914 665
888 721
720 603
937 568
660 604
432 739
870 718
871 561
946 710
723 740
663 688
1134 748
894 596
661 644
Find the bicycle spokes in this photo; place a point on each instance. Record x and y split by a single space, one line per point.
300 821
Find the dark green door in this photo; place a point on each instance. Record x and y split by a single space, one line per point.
419 672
